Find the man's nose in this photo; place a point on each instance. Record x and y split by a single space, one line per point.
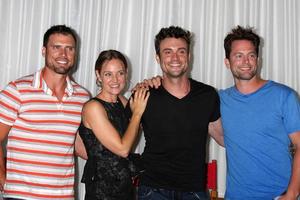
63 51
174 56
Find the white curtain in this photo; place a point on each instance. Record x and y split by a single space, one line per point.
130 26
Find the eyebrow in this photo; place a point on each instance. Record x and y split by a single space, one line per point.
241 52
169 48
61 45
121 70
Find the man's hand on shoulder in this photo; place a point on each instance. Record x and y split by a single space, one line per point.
153 82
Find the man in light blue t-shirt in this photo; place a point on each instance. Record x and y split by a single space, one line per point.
261 119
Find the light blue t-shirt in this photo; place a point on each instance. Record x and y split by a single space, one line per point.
256 134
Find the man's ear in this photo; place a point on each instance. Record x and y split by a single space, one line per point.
44 51
157 58
227 62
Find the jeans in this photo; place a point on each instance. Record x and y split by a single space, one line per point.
149 193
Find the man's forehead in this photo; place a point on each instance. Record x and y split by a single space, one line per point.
61 38
173 43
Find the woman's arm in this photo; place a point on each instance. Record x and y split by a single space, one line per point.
94 116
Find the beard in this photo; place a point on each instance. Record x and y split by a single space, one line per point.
244 75
176 75
63 70
167 70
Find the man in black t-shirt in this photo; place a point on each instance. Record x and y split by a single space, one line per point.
178 116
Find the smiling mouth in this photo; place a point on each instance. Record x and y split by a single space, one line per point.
176 66
62 61
115 86
245 69
62 64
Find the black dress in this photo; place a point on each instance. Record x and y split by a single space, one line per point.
106 175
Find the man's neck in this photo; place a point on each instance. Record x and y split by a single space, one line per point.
56 82
249 86
178 87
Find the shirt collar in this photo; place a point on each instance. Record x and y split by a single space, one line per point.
39 83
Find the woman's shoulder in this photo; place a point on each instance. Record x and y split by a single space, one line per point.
92 105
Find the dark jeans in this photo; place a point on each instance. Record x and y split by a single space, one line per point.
149 193
12 199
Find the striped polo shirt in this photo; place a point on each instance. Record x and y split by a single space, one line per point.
40 146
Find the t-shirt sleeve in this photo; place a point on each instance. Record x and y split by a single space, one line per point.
216 107
10 103
291 113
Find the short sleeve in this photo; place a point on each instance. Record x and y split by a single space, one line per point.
291 113
10 103
216 109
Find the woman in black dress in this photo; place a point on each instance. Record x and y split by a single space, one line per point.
108 134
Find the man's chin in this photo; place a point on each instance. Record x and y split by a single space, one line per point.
176 75
244 78
62 72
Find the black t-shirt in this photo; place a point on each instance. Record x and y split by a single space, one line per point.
176 133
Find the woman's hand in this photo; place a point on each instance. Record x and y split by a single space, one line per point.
139 101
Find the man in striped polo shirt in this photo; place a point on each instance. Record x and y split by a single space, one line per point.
40 115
